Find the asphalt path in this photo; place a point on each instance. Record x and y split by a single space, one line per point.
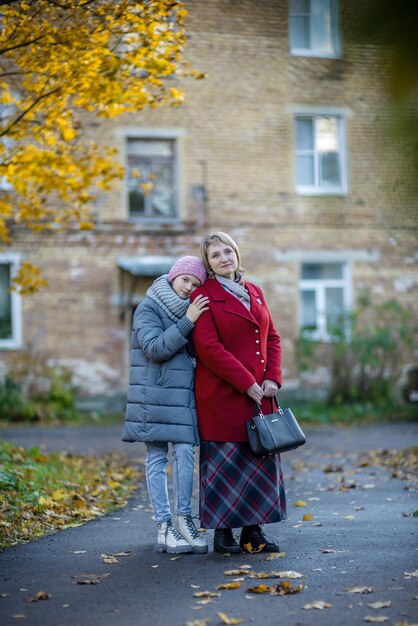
362 534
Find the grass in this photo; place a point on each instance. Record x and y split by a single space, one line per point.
352 414
42 493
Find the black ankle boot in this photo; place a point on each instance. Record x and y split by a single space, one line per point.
254 536
223 541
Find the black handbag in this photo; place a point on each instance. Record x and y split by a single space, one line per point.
273 433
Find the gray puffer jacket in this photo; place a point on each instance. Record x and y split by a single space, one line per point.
160 404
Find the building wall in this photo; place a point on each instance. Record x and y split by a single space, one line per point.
237 139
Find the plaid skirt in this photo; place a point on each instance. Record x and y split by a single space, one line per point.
237 489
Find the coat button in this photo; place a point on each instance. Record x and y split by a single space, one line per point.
256 330
257 353
262 361
257 341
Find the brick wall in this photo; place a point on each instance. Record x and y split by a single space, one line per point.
238 140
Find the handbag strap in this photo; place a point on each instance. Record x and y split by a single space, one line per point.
257 407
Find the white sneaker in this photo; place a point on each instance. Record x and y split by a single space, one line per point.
187 529
169 540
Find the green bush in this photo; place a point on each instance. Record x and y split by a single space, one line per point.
36 391
366 354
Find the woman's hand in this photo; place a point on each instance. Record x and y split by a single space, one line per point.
255 392
197 307
269 388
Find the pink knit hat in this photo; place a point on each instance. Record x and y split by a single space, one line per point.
191 265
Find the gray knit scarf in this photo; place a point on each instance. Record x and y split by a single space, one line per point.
236 288
164 295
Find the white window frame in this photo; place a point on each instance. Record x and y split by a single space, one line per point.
169 134
316 189
319 286
15 342
335 33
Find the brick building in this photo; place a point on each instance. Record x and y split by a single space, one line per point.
283 145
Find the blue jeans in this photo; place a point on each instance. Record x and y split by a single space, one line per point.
156 474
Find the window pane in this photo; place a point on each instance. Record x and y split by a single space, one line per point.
150 147
162 194
334 303
304 132
151 180
327 139
308 310
322 40
322 271
299 6
5 303
328 146
305 170
300 34
329 170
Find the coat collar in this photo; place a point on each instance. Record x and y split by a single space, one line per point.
232 304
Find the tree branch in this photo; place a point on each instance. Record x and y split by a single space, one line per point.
6 130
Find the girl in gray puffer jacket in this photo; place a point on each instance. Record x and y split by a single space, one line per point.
160 406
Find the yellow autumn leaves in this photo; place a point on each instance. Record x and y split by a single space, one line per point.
41 493
60 63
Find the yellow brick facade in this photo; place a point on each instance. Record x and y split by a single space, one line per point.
236 137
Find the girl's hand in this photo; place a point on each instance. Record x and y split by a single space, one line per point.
255 392
197 307
269 388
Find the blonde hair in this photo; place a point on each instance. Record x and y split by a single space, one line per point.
216 238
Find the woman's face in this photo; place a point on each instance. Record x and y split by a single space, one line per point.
185 284
222 260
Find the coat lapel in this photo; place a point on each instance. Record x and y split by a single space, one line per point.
232 304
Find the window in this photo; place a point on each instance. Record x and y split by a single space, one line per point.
320 154
152 187
324 297
314 28
10 305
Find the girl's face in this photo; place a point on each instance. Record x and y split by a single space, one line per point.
222 260
185 284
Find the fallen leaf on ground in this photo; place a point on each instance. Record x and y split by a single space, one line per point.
380 605
41 595
317 604
285 574
206 594
300 503
260 589
230 620
307 518
359 590
411 574
226 586
253 550
236 572
285 588
80 551
88 579
198 622
109 558
377 619
275 555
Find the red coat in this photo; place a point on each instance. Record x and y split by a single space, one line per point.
235 348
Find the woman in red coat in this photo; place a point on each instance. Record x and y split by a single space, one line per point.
238 364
